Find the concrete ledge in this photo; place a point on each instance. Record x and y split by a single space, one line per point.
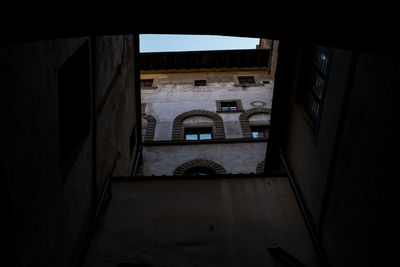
203 142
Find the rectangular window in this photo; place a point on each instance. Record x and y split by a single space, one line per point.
315 89
146 83
229 105
246 79
74 105
193 134
200 83
259 131
313 81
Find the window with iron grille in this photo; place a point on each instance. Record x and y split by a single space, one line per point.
313 89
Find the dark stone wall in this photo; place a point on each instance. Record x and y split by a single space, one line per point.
363 205
47 208
348 175
309 153
115 106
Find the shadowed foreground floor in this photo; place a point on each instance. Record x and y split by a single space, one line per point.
202 222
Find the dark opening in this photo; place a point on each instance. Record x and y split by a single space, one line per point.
259 131
246 79
146 82
74 105
196 171
200 83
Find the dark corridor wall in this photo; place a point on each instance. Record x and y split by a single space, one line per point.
64 104
362 214
347 174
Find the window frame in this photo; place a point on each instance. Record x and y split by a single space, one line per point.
198 131
143 86
238 102
310 68
257 81
265 131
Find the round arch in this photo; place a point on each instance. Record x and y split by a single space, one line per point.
181 169
260 166
177 126
244 119
151 127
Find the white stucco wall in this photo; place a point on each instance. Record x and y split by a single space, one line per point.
235 158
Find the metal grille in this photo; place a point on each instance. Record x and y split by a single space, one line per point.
317 82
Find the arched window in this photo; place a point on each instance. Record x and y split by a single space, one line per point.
149 126
184 121
199 167
253 124
199 171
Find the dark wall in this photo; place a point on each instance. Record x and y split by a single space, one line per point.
309 150
115 100
362 211
57 144
49 204
346 174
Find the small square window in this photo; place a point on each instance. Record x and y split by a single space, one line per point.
193 134
229 105
146 83
259 131
200 83
266 82
246 79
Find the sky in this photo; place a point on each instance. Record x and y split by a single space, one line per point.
170 42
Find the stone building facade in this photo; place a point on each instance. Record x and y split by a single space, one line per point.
205 111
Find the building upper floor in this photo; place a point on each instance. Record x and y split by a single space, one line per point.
206 96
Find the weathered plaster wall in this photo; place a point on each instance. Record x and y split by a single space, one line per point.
176 94
234 157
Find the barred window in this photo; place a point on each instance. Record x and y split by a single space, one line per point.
315 81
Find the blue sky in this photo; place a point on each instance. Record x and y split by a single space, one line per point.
169 42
